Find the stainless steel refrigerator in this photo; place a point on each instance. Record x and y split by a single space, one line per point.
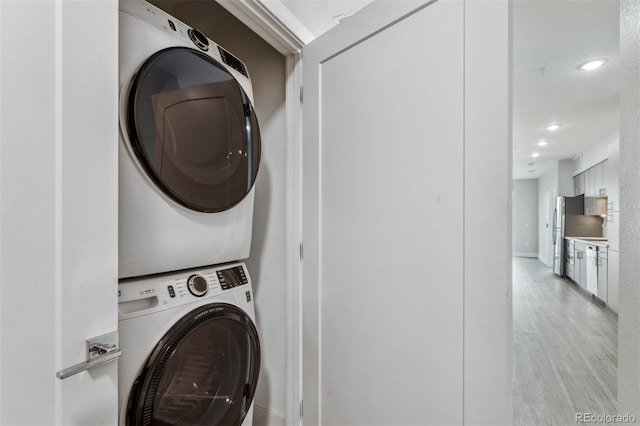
566 208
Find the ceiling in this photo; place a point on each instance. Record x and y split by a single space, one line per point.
550 39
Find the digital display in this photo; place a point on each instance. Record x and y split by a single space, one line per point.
232 61
232 277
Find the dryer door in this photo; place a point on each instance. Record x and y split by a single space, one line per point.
193 130
203 371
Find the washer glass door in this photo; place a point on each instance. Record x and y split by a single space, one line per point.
193 130
204 371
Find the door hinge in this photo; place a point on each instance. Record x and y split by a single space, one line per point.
301 251
301 95
301 409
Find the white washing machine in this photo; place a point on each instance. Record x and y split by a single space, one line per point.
189 147
190 350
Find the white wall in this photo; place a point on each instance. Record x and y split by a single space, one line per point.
628 313
268 260
525 218
565 179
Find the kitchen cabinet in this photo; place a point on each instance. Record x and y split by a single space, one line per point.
613 177
591 182
605 171
595 181
613 279
569 255
591 267
578 184
588 188
595 205
569 270
580 264
602 274
612 227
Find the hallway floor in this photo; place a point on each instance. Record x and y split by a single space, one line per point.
565 349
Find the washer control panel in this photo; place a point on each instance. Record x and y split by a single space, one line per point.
166 291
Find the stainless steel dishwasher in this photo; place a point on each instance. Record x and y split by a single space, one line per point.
592 269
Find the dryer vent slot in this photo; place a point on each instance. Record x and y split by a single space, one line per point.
233 62
138 305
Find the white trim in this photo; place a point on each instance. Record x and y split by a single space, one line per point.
58 187
275 24
294 238
522 254
1 258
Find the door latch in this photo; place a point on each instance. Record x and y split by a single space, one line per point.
100 350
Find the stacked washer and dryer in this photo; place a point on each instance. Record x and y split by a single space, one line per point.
189 155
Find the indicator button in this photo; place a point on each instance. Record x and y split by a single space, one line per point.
172 292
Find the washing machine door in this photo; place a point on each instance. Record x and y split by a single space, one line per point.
193 130
204 371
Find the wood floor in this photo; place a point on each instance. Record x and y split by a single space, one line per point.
565 349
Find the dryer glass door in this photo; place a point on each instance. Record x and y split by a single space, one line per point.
204 371
193 130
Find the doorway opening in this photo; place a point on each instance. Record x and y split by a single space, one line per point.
565 324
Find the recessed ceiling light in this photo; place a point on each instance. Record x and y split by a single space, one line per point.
592 65
543 143
552 127
535 154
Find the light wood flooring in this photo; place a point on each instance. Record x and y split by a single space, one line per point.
565 349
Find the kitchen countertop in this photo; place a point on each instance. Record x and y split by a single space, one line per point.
595 241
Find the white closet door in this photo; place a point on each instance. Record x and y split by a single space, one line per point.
58 197
405 320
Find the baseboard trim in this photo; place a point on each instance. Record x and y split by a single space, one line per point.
266 417
525 254
544 260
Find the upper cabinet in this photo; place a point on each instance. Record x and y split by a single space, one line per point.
578 184
591 182
612 177
605 170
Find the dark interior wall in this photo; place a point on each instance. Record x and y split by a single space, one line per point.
267 263
263 61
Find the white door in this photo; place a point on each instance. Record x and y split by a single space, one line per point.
58 216
406 211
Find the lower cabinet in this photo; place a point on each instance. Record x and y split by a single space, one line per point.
580 265
602 263
613 280
569 271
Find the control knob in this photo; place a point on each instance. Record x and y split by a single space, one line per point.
197 285
199 39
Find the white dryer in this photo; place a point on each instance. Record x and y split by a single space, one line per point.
189 147
190 350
